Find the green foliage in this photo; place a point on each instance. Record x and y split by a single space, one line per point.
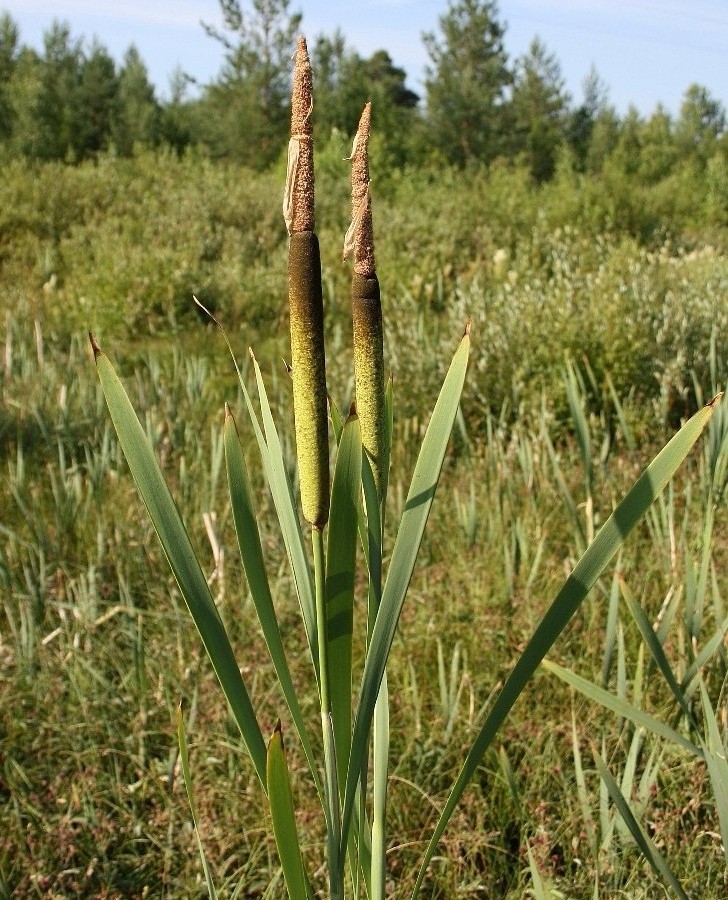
96 645
466 82
539 105
137 122
246 109
72 102
345 82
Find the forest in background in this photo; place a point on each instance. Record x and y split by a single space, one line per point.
71 101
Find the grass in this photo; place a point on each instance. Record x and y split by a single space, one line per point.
96 648
97 651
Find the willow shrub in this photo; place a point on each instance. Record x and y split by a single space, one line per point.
348 510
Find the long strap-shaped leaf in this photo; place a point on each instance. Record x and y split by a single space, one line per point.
620 706
404 554
178 550
340 564
285 505
652 640
271 456
284 819
649 850
715 757
577 586
251 552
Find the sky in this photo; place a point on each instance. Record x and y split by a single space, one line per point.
646 51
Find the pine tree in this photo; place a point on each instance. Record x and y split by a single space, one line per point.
94 103
539 106
249 101
467 82
137 118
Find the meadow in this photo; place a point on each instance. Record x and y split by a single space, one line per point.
599 323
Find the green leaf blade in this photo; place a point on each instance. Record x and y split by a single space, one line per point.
340 571
284 819
585 574
280 486
620 706
251 552
181 557
404 554
649 850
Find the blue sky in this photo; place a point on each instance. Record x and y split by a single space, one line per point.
646 51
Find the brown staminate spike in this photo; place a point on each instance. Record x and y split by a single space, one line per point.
360 237
298 199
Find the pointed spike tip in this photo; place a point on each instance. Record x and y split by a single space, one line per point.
360 235
302 93
716 400
94 344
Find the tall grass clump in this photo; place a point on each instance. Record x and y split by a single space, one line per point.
348 757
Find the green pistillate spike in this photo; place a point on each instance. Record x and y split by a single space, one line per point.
309 375
305 298
366 304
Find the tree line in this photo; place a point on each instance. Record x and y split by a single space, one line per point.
72 101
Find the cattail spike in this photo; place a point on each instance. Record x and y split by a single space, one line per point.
305 297
360 236
366 308
298 202
308 364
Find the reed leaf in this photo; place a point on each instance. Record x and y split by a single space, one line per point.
284 819
282 492
251 552
586 572
649 850
181 557
187 778
340 570
404 554
715 757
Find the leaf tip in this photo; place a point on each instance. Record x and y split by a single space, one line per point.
94 344
278 733
468 326
715 401
228 412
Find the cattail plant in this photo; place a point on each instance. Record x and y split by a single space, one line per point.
353 813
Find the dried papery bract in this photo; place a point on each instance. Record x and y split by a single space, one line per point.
306 303
366 307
